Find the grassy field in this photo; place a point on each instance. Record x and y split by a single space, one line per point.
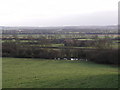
39 73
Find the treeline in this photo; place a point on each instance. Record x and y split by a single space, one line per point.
99 50
98 55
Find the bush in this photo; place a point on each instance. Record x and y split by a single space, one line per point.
104 56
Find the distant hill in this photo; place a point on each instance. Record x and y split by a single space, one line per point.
111 27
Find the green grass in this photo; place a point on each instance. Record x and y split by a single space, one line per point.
41 73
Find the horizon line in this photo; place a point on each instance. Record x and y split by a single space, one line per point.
58 25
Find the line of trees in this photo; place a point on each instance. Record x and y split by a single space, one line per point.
106 56
104 53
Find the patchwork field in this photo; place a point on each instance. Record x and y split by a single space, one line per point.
43 73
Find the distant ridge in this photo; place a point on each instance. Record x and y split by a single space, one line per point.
60 27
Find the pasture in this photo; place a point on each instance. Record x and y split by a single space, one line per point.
48 73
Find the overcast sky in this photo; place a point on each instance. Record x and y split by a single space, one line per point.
58 12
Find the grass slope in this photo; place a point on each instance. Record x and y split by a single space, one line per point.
39 73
